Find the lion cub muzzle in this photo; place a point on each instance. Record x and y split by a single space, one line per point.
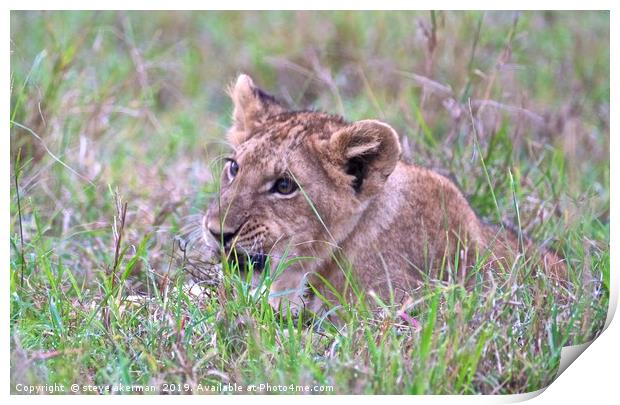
229 240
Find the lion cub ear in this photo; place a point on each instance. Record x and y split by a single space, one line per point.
251 107
368 150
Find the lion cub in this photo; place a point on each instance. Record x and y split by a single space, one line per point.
317 197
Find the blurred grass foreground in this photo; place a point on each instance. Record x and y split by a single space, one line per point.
117 123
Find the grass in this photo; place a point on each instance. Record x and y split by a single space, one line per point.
117 123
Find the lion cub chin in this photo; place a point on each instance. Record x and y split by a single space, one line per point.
329 209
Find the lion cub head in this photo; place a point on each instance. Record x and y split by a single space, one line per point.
294 186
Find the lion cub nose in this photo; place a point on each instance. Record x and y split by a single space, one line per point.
224 237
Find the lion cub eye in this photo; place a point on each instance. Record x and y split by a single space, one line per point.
284 185
233 168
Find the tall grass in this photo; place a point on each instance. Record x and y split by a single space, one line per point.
109 109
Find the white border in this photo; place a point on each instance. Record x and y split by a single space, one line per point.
310 5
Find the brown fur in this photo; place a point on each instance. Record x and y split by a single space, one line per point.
395 224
